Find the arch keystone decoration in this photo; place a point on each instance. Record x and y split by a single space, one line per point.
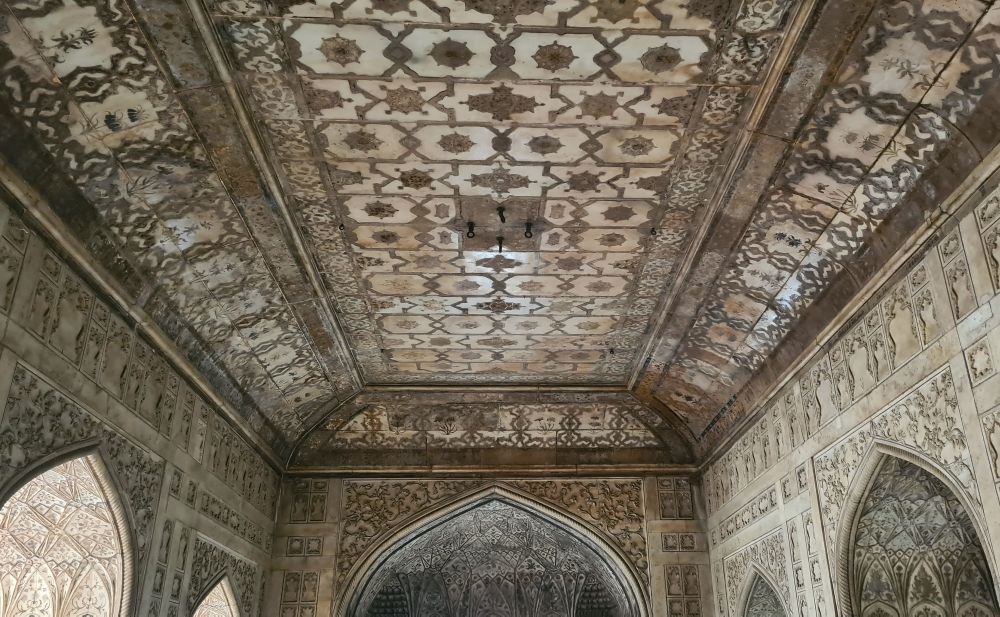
364 575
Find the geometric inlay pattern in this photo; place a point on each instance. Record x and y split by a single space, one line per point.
397 125
421 428
540 426
314 196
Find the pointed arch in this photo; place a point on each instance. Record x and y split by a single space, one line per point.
357 581
88 542
852 574
759 596
219 600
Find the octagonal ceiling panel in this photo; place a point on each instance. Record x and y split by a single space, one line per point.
557 129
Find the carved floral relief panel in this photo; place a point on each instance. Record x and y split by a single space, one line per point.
65 314
38 420
210 561
372 509
684 590
767 554
925 420
901 321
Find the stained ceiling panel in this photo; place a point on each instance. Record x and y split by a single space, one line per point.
556 130
150 174
858 173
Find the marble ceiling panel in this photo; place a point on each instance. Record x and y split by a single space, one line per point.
876 130
558 130
314 196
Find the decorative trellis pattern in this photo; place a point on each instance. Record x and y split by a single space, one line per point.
900 568
60 549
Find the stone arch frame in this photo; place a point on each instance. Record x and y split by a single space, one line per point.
97 458
755 573
223 578
857 491
380 550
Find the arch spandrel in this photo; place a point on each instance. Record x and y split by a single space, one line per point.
493 554
220 601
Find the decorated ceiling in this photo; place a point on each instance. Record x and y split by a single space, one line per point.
498 168
660 197
418 430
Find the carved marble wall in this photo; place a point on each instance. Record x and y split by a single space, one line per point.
76 377
493 559
328 529
763 601
910 373
218 603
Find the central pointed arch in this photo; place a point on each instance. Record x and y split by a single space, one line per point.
601 570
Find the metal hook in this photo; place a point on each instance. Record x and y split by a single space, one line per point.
472 230
500 213
499 244
527 230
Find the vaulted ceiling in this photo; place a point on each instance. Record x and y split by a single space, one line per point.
656 201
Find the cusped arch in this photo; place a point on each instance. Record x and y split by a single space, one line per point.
758 593
218 599
877 455
89 454
368 567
